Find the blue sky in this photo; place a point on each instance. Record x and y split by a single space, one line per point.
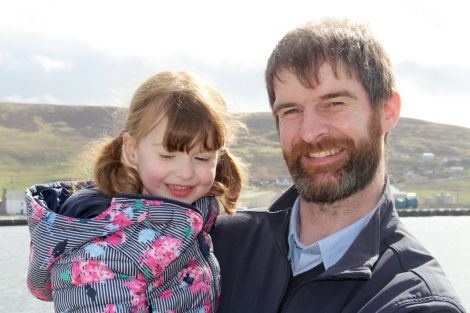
97 52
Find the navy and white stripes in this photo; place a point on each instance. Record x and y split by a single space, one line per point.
143 254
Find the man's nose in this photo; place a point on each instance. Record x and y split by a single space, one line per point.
313 126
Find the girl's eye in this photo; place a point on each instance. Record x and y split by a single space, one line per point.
203 159
166 156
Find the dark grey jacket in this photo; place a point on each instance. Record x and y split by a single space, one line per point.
385 270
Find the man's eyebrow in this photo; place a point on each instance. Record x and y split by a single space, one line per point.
280 106
331 95
342 93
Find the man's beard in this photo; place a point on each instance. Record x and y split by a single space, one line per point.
334 182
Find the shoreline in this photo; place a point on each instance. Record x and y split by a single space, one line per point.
434 212
13 220
17 220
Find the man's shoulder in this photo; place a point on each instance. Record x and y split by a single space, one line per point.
242 218
409 270
253 223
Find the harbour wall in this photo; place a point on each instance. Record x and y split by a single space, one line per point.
15 220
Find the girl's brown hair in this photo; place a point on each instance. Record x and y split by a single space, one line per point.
197 115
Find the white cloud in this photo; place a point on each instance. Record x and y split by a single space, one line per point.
10 63
435 107
52 65
227 41
45 98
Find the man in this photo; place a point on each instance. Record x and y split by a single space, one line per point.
333 242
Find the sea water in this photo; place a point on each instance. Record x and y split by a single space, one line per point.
446 237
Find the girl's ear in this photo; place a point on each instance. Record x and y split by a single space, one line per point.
130 149
391 112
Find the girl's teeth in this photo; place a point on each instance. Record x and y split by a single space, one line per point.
179 187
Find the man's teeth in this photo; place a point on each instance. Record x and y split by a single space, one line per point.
324 153
179 187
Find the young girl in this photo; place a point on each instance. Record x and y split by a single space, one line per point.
135 240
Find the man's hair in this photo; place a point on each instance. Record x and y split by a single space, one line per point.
343 45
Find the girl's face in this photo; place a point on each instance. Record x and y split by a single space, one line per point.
178 175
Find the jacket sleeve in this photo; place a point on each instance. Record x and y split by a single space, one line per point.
40 257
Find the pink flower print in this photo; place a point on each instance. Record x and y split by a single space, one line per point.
48 286
193 277
104 214
110 308
163 251
38 292
211 220
195 221
158 281
89 271
152 202
38 211
121 220
115 238
166 294
138 287
143 216
207 306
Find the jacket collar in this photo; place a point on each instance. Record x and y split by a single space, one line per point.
364 252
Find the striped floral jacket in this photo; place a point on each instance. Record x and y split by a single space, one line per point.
142 254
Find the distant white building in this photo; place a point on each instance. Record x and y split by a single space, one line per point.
13 202
283 181
441 199
456 169
428 156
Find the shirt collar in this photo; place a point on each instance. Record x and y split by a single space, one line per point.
327 250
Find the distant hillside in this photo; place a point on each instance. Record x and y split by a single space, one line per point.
44 142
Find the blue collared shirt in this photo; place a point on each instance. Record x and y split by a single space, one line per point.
327 250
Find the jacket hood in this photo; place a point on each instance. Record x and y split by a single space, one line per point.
45 208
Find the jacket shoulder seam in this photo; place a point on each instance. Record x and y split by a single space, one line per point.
410 301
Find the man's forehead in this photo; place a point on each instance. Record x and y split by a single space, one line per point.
312 77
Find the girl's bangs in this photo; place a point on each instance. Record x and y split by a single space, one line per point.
190 124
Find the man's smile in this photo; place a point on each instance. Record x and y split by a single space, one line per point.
324 153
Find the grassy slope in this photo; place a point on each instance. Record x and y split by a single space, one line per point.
43 143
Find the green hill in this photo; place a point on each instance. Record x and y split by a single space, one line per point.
44 142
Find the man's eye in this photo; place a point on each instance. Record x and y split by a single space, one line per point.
336 103
288 112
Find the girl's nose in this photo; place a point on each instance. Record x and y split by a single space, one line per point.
185 170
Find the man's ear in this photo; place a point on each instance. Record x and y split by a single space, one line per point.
130 149
391 112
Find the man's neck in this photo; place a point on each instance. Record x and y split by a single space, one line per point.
319 220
